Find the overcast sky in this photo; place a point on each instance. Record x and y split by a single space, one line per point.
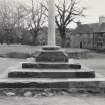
95 9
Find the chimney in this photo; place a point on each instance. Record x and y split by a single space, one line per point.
101 19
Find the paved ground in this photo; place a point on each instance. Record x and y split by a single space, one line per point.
97 64
5 63
30 49
54 100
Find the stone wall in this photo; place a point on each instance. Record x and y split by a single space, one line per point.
82 41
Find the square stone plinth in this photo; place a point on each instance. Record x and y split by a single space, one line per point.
51 54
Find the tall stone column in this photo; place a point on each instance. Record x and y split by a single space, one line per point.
51 23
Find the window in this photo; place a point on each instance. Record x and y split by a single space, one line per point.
99 44
101 35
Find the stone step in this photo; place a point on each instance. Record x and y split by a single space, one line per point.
53 83
49 65
29 73
51 48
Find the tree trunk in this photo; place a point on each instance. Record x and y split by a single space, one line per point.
63 37
34 39
63 42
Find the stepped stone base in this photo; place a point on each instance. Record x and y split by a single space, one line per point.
51 62
51 73
51 65
51 70
52 83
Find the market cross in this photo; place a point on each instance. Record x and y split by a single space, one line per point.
51 67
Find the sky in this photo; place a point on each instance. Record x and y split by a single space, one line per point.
94 9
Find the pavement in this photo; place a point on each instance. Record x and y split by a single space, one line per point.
71 99
6 63
67 99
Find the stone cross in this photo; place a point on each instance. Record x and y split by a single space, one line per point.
51 23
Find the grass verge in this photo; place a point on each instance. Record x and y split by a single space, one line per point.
18 55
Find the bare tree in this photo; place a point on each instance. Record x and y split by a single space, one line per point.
36 18
16 17
12 16
6 20
67 11
20 21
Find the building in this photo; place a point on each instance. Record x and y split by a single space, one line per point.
91 36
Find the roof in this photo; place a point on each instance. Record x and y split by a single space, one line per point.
90 28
